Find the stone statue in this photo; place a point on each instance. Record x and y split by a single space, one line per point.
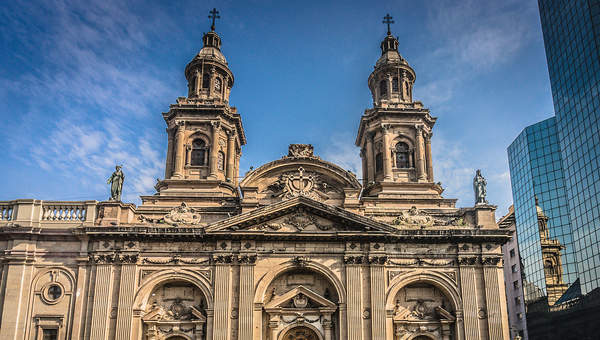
479 184
116 184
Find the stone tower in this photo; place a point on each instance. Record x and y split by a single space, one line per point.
551 251
395 135
205 134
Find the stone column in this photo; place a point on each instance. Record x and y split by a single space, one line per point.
246 301
126 296
210 316
81 295
469 294
387 159
169 167
460 326
429 157
230 155
496 304
101 307
327 329
214 148
188 154
420 155
377 302
222 301
370 158
179 151
354 313
363 157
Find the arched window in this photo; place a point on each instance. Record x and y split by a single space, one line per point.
205 80
378 162
221 161
395 86
402 155
383 88
198 152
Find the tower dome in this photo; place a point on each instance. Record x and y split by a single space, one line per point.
392 79
209 78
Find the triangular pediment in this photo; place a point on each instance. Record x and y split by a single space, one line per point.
300 297
299 215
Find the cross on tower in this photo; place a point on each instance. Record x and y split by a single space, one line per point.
214 14
387 19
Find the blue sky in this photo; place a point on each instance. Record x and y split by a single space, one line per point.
83 85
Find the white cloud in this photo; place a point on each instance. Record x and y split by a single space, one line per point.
341 151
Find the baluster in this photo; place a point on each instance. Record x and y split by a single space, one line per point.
84 213
62 212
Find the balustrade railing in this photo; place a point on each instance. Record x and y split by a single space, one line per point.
7 211
64 211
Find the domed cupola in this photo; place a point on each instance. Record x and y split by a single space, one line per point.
209 78
392 80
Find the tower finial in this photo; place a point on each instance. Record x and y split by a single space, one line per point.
387 19
214 14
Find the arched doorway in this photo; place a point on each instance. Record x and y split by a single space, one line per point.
300 333
176 338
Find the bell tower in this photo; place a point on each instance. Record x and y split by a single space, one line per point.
395 135
205 134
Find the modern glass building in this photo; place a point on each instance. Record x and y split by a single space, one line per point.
536 171
572 39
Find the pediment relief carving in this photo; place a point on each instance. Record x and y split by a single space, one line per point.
299 221
300 298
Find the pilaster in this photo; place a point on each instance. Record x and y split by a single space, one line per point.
230 155
496 303
354 313
221 327
246 301
429 157
421 175
100 312
387 159
16 294
370 159
469 294
378 325
126 296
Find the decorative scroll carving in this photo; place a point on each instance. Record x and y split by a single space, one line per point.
418 218
175 259
300 261
179 216
300 150
422 262
300 220
113 258
490 260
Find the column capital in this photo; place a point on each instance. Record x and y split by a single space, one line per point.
215 124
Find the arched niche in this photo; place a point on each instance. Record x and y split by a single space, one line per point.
179 301
292 296
424 307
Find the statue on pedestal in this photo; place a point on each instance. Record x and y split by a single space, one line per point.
479 184
116 184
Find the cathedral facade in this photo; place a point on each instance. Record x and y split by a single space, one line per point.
298 249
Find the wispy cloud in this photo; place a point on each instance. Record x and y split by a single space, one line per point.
341 151
90 96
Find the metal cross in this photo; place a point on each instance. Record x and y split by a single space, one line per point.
387 19
214 14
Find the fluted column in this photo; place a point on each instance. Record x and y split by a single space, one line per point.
246 301
214 149
377 302
429 157
365 171
169 167
126 296
14 318
101 307
354 313
179 151
222 301
230 155
469 294
387 159
370 159
420 155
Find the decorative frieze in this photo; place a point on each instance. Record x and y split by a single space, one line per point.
113 258
233 259
175 259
